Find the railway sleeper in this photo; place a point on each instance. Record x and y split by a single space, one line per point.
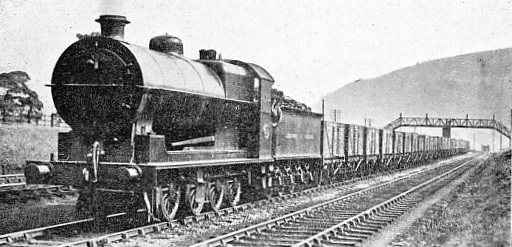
45 242
372 224
331 220
394 215
379 221
353 235
342 242
263 240
388 214
298 232
334 210
301 227
346 238
357 230
282 235
401 210
243 242
332 217
319 222
412 199
406 204
344 215
363 227
409 199
342 206
335 213
397 209
339 211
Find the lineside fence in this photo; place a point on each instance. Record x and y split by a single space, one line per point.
51 120
10 162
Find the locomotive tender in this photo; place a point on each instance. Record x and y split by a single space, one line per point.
170 132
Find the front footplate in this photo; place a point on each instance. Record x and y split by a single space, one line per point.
79 173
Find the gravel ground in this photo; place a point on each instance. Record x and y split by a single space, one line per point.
476 213
192 233
385 237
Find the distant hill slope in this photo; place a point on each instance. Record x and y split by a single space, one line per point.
478 84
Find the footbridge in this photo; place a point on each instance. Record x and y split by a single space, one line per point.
448 123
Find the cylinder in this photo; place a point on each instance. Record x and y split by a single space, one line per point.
35 173
127 173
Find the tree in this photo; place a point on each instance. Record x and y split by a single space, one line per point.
16 99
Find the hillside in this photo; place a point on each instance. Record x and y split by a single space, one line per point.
478 84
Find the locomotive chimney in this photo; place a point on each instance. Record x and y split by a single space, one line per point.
112 26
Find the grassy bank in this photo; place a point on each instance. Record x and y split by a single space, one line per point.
477 214
19 142
34 214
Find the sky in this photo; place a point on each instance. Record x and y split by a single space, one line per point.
310 47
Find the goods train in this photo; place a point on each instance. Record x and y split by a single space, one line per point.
155 130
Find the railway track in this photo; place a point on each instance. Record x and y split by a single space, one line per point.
13 188
40 236
345 221
12 181
45 236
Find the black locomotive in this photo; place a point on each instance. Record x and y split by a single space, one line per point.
169 132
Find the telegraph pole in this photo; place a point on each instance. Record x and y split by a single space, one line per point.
493 148
323 109
474 147
501 139
336 115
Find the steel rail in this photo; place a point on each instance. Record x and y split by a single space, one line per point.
361 217
236 235
12 178
14 185
22 192
308 191
29 236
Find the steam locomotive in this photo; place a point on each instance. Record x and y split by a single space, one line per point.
154 129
